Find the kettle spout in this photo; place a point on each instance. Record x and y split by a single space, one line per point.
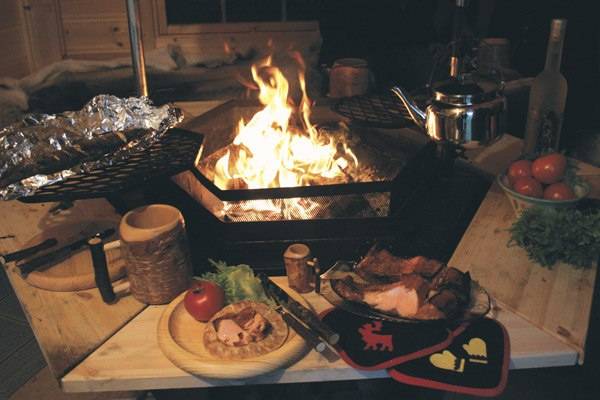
417 115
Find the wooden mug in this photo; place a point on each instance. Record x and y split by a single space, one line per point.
349 77
155 248
300 267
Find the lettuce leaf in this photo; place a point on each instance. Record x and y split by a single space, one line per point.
238 282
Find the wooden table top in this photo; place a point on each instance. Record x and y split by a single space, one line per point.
132 360
67 325
118 344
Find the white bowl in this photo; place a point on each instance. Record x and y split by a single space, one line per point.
519 202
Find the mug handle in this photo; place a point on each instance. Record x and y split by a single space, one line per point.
314 264
108 292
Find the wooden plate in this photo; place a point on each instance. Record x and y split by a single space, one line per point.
75 272
180 339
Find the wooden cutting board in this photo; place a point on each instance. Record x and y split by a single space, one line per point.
557 300
75 272
181 341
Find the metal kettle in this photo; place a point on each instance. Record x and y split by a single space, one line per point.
463 111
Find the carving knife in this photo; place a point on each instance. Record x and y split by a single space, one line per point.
27 252
299 311
311 337
58 255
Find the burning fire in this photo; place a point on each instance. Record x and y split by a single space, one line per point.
279 146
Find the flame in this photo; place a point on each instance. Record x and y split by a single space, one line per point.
279 146
270 150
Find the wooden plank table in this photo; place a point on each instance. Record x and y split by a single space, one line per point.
67 325
132 360
557 300
120 341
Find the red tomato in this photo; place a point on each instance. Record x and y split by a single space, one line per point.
528 186
559 191
518 169
549 168
203 300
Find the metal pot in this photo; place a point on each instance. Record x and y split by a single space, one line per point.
462 111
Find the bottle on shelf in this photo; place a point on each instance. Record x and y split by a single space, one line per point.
547 97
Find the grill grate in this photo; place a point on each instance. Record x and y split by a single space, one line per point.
377 110
174 153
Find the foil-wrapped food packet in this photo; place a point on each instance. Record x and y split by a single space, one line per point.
45 149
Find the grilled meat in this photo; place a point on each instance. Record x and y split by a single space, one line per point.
241 328
417 287
381 265
455 281
403 298
348 289
447 302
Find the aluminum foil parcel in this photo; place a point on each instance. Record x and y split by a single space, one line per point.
44 149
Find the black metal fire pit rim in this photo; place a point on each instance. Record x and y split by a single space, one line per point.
292 192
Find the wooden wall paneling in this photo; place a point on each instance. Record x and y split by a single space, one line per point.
160 17
95 29
99 30
75 9
14 47
100 36
44 31
149 29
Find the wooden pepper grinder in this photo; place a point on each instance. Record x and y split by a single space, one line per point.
301 268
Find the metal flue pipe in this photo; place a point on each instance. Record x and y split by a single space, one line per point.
137 47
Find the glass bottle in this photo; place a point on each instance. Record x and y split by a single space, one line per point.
547 97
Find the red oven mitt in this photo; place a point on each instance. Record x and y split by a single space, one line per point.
475 363
370 344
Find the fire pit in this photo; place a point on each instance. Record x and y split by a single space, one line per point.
395 163
301 171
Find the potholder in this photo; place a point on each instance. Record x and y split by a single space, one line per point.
370 344
475 363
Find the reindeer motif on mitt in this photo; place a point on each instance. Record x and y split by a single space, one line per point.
373 340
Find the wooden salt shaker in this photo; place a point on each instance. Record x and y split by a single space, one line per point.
154 246
299 267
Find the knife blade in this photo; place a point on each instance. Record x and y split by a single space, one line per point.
299 311
58 255
311 337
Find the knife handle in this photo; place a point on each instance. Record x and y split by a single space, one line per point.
101 270
310 319
55 256
27 267
29 251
